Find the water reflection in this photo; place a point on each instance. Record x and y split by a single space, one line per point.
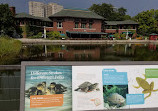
106 52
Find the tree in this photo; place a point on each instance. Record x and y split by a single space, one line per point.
122 11
7 21
147 22
122 14
109 12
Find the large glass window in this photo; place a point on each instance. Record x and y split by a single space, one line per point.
59 24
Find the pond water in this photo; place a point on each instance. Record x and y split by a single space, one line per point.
10 79
107 52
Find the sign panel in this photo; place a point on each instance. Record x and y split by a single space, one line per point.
48 88
78 88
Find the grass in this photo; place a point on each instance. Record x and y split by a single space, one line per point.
9 48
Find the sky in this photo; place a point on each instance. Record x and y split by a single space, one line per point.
133 6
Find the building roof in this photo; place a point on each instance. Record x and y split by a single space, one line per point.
102 33
25 15
153 34
77 13
120 22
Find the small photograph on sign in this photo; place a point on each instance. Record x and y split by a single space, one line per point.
48 88
115 88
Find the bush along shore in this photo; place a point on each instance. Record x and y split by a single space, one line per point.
9 48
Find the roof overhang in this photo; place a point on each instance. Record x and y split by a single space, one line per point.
92 33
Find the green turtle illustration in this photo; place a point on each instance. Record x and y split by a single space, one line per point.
87 87
148 88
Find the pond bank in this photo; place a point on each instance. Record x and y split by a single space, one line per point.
42 41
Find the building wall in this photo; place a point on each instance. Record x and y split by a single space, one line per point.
37 9
122 29
12 9
69 25
53 8
43 10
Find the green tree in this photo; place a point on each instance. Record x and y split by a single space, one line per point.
122 11
109 12
147 22
7 22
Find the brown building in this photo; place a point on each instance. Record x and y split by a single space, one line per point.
112 27
76 23
24 20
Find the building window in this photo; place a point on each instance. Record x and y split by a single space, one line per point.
91 21
61 55
90 25
61 32
76 25
83 25
59 24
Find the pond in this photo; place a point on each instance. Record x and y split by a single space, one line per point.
10 79
106 52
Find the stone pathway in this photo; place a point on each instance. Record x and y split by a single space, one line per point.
41 41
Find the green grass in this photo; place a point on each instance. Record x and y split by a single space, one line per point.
9 48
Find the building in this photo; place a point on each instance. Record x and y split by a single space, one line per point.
43 10
53 8
37 9
23 20
77 23
153 36
112 27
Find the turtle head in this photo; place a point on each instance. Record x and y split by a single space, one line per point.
94 86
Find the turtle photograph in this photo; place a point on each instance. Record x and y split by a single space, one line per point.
47 87
88 87
42 89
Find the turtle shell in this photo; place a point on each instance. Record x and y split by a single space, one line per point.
84 85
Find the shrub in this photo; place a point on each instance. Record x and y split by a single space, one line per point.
117 36
53 35
9 46
123 36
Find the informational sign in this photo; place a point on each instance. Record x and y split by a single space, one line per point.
78 88
48 88
118 87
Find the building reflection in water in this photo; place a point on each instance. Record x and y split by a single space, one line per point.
106 52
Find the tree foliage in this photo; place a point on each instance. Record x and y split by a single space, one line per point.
147 22
7 21
53 34
109 12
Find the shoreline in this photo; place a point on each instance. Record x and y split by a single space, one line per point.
44 41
